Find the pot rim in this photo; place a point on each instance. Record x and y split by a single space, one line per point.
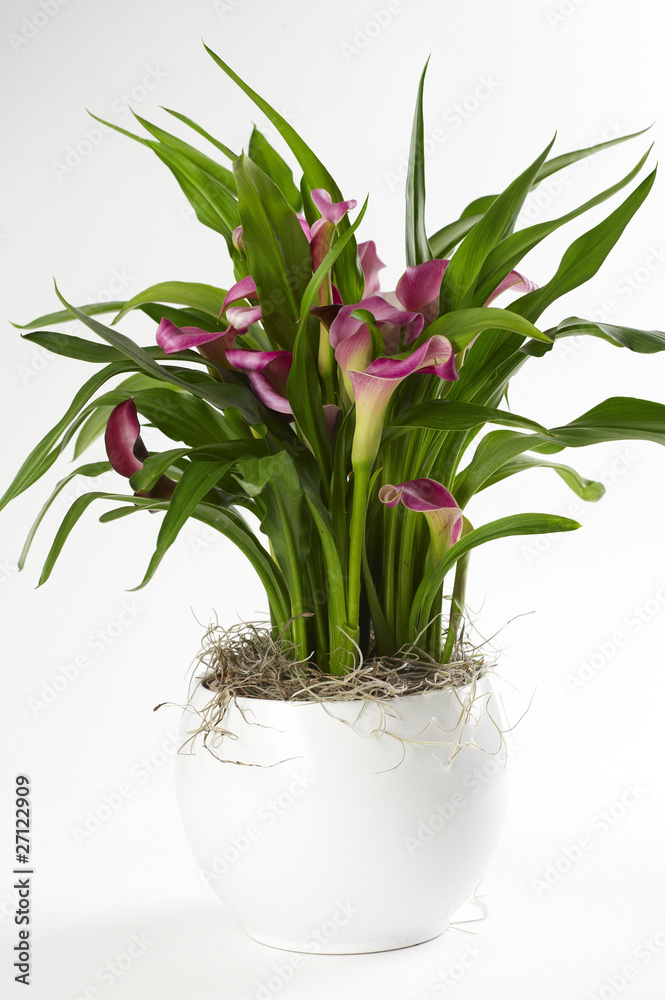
463 689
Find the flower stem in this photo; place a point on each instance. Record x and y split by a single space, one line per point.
456 607
361 479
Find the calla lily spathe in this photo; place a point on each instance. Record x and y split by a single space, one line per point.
431 498
373 389
268 372
352 341
126 450
419 287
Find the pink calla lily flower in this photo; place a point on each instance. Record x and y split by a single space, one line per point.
352 340
373 389
371 265
331 211
419 287
213 345
431 498
126 450
322 231
172 338
268 372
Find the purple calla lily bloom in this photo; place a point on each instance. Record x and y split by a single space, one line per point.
322 231
331 211
268 372
374 387
213 345
126 450
236 239
352 340
419 287
371 265
431 498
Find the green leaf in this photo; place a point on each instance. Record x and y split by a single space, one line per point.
74 514
154 466
231 524
206 135
460 276
196 481
221 175
275 480
491 454
463 325
510 251
221 395
271 163
91 471
279 256
620 418
504 527
567 159
223 451
444 241
73 347
616 419
586 489
348 274
417 247
583 258
639 341
92 429
207 298
42 457
210 198
65 316
445 415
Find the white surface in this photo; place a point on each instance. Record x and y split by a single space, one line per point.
116 223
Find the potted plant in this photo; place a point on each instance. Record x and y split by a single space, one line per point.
342 770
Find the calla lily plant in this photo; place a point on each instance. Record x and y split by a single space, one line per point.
352 421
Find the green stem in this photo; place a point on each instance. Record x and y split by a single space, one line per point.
298 624
457 606
361 479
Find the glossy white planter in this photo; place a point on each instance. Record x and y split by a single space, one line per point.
343 840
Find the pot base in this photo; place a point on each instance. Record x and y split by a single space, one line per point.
329 947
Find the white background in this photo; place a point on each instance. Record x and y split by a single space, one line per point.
108 221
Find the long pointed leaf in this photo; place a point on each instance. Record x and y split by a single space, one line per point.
460 276
348 274
417 246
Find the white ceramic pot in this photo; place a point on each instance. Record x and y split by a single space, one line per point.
346 827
